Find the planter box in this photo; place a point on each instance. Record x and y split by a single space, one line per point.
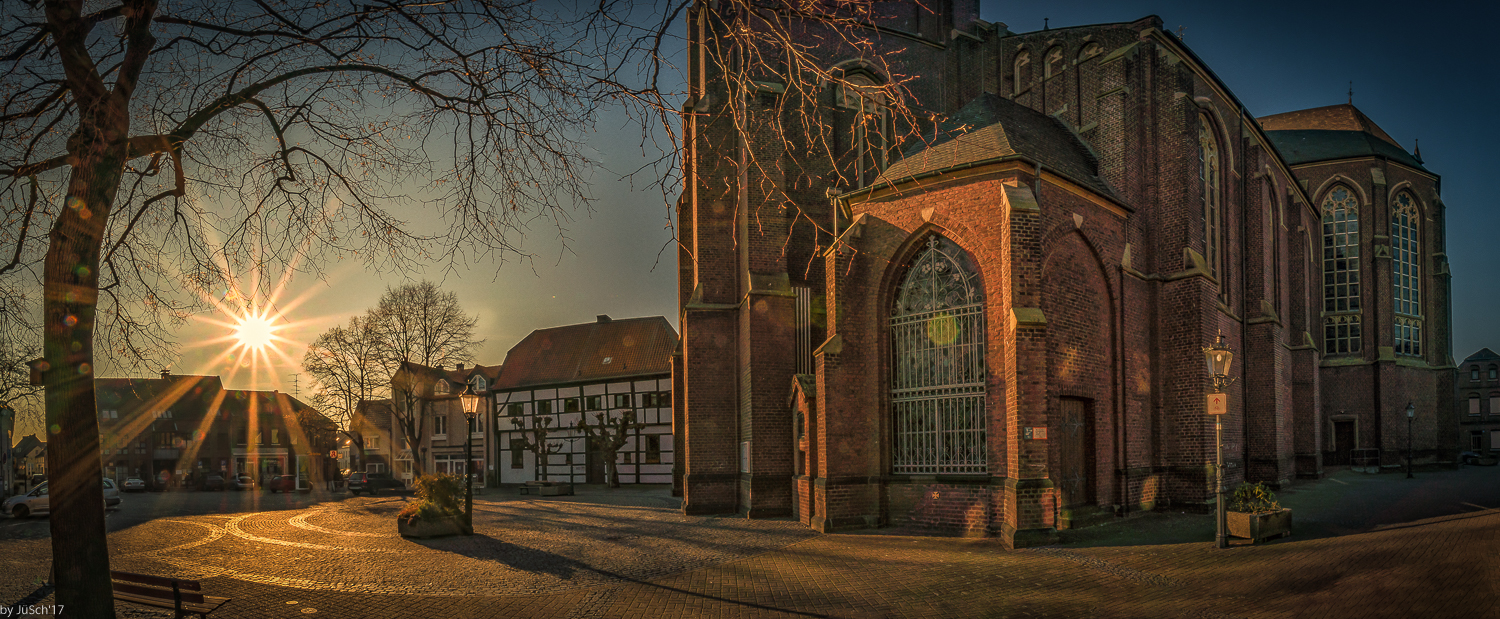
547 488
1260 527
452 525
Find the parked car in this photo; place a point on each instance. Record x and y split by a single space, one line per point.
1476 458
242 482
373 483
282 483
34 503
212 482
134 484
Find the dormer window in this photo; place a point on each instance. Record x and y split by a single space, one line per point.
478 384
441 387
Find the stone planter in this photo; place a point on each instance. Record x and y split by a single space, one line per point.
441 527
1260 527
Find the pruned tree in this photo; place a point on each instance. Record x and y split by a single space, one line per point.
607 435
150 151
346 369
535 441
423 325
20 342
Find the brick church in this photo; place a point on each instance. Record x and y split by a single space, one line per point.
998 329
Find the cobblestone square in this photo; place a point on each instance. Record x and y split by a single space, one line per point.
1365 546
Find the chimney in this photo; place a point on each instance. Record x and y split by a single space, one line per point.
460 367
166 373
603 318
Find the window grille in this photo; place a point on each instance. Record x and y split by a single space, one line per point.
938 372
1406 280
1341 292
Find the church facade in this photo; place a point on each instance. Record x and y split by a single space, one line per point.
998 329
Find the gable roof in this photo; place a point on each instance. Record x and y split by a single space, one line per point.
375 412
593 351
992 127
422 374
23 448
171 391
1330 133
1484 354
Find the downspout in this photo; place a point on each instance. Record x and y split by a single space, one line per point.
1244 306
1120 405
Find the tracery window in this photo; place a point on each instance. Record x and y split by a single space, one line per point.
1341 322
1054 61
1406 279
938 365
1213 208
868 128
1021 71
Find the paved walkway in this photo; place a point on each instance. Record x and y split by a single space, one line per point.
630 553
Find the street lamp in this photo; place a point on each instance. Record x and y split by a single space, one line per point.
1411 413
1219 359
470 401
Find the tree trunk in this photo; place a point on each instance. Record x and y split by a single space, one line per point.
612 468
80 552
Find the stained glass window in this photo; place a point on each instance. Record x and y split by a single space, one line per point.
1406 277
938 365
1341 291
1213 212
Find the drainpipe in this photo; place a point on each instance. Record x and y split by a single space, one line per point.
1121 410
1244 307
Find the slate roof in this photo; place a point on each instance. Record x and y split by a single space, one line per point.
193 394
594 351
993 127
429 375
376 412
1330 133
1483 355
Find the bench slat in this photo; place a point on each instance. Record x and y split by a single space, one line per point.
164 594
156 581
196 609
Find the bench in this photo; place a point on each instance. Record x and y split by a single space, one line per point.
182 596
547 488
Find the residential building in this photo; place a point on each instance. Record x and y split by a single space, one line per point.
1477 397
175 429
30 459
996 326
432 396
370 448
562 374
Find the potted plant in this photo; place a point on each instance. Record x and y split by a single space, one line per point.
1254 514
437 510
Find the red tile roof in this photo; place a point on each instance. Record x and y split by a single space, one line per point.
593 351
1341 117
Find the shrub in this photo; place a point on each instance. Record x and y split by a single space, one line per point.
437 496
1253 499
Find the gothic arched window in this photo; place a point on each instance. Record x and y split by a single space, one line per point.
1213 207
1021 71
1341 324
1054 60
865 102
1406 279
937 335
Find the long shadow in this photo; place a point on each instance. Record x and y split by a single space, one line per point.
485 548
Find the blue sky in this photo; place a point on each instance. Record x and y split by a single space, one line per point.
1421 74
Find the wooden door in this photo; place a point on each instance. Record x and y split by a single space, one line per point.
1343 441
1075 446
594 467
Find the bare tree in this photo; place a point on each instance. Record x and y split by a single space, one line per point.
422 325
345 365
150 151
20 342
535 441
608 435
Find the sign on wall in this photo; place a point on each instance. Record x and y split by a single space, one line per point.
1218 403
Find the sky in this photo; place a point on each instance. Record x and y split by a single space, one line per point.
1421 74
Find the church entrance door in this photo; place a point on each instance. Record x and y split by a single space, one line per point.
1343 441
1075 445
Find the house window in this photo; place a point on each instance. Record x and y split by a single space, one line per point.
622 400
938 364
375 467
1492 372
372 442
1476 440
1474 374
275 437
476 424
653 449
515 410
517 453
570 405
1494 439
1473 404
1406 278
594 402
1213 211
440 426
544 407
1494 403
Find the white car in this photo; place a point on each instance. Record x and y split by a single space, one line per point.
34 503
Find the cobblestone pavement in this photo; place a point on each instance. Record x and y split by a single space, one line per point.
631 553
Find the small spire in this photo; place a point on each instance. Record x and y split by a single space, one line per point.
1044 23
1418 150
1351 92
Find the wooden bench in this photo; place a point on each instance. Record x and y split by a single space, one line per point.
182 596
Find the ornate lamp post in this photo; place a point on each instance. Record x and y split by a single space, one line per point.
1411 413
470 401
1219 359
